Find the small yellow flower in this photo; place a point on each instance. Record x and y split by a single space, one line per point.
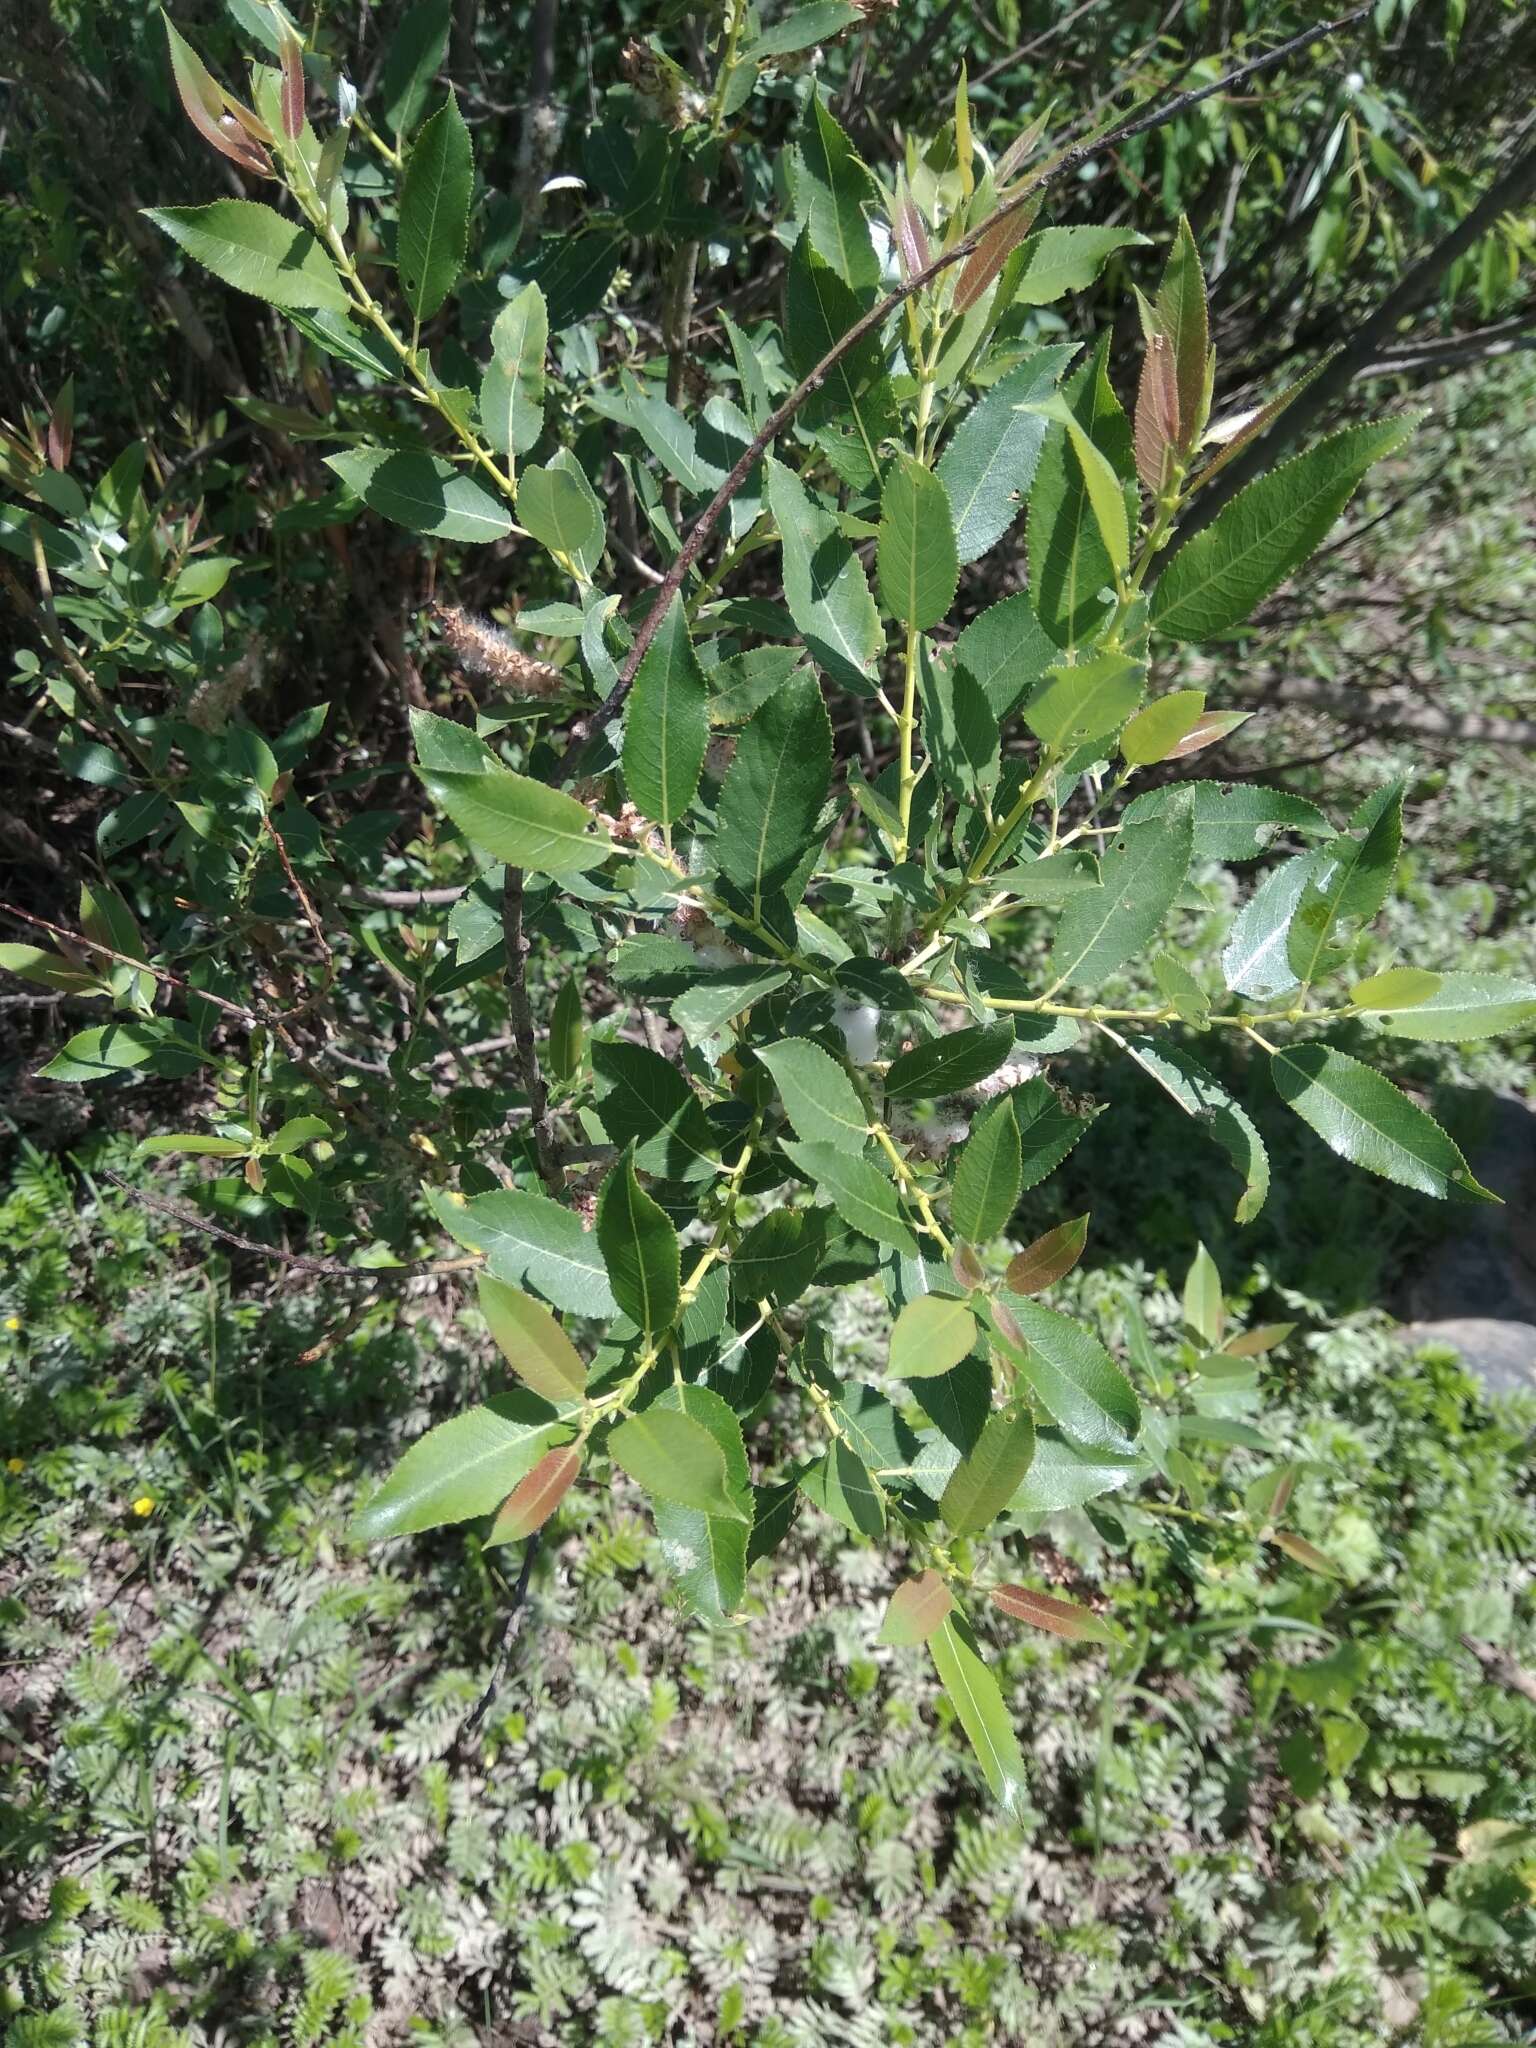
15 1464
144 1505
13 1322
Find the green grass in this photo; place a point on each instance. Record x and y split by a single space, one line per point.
240 1807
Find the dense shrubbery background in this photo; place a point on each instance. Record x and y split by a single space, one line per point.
242 1800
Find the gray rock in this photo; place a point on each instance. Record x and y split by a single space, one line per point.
1503 1355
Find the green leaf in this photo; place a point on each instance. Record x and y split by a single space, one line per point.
1399 988
799 29
565 1031
706 1554
674 1455
988 1476
512 389
1462 1007
820 1100
1006 650
666 728
194 1146
832 188
779 1256
1085 702
824 583
434 210
1070 567
1256 958
1047 1130
989 1175
51 970
1233 821
532 1342
930 1337
853 412
1266 533
640 1250
423 493
1049 1259
105 1049
842 1486
919 569
1065 1475
416 53
990 460
530 1241
1225 1120
257 251
560 509
1061 260
858 1191
978 1703
463 1468
1077 1382
704 1010
1204 1310
1361 1116
1141 878
960 729
1153 733
774 790
514 819
1348 882
917 1607
944 1066
644 1100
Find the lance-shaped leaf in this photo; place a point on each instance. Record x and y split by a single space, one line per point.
255 250
1140 881
565 1031
853 412
859 1191
841 1484
779 1256
1234 821
1266 533
530 1241
989 463
1461 1007
820 1100
989 1175
675 1456
1062 260
1306 1554
645 1099
1086 701
209 108
512 389
1049 1259
532 1342
917 1607
1048 1129
974 1693
1057 1617
986 260
666 728
832 188
946 1065
519 821
824 583
1069 565
423 493
1181 312
536 1496
1359 1114
930 1337
1157 416
1154 733
1066 1474
1225 1121
707 1553
434 210
462 1468
1204 1309
988 1476
1077 1382
1006 651
1349 881
1256 958
416 52
640 1250
774 790
918 565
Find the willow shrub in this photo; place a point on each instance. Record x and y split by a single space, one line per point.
856 1083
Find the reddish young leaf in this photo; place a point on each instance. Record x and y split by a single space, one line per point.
1057 1617
1304 1553
536 1495
291 57
1157 415
221 121
61 426
1252 1343
990 254
918 1606
1049 1258
1206 731
912 246
966 1267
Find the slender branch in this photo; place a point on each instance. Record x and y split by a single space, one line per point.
1064 167
545 1143
511 1630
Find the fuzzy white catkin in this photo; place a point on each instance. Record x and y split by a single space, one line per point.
860 1025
